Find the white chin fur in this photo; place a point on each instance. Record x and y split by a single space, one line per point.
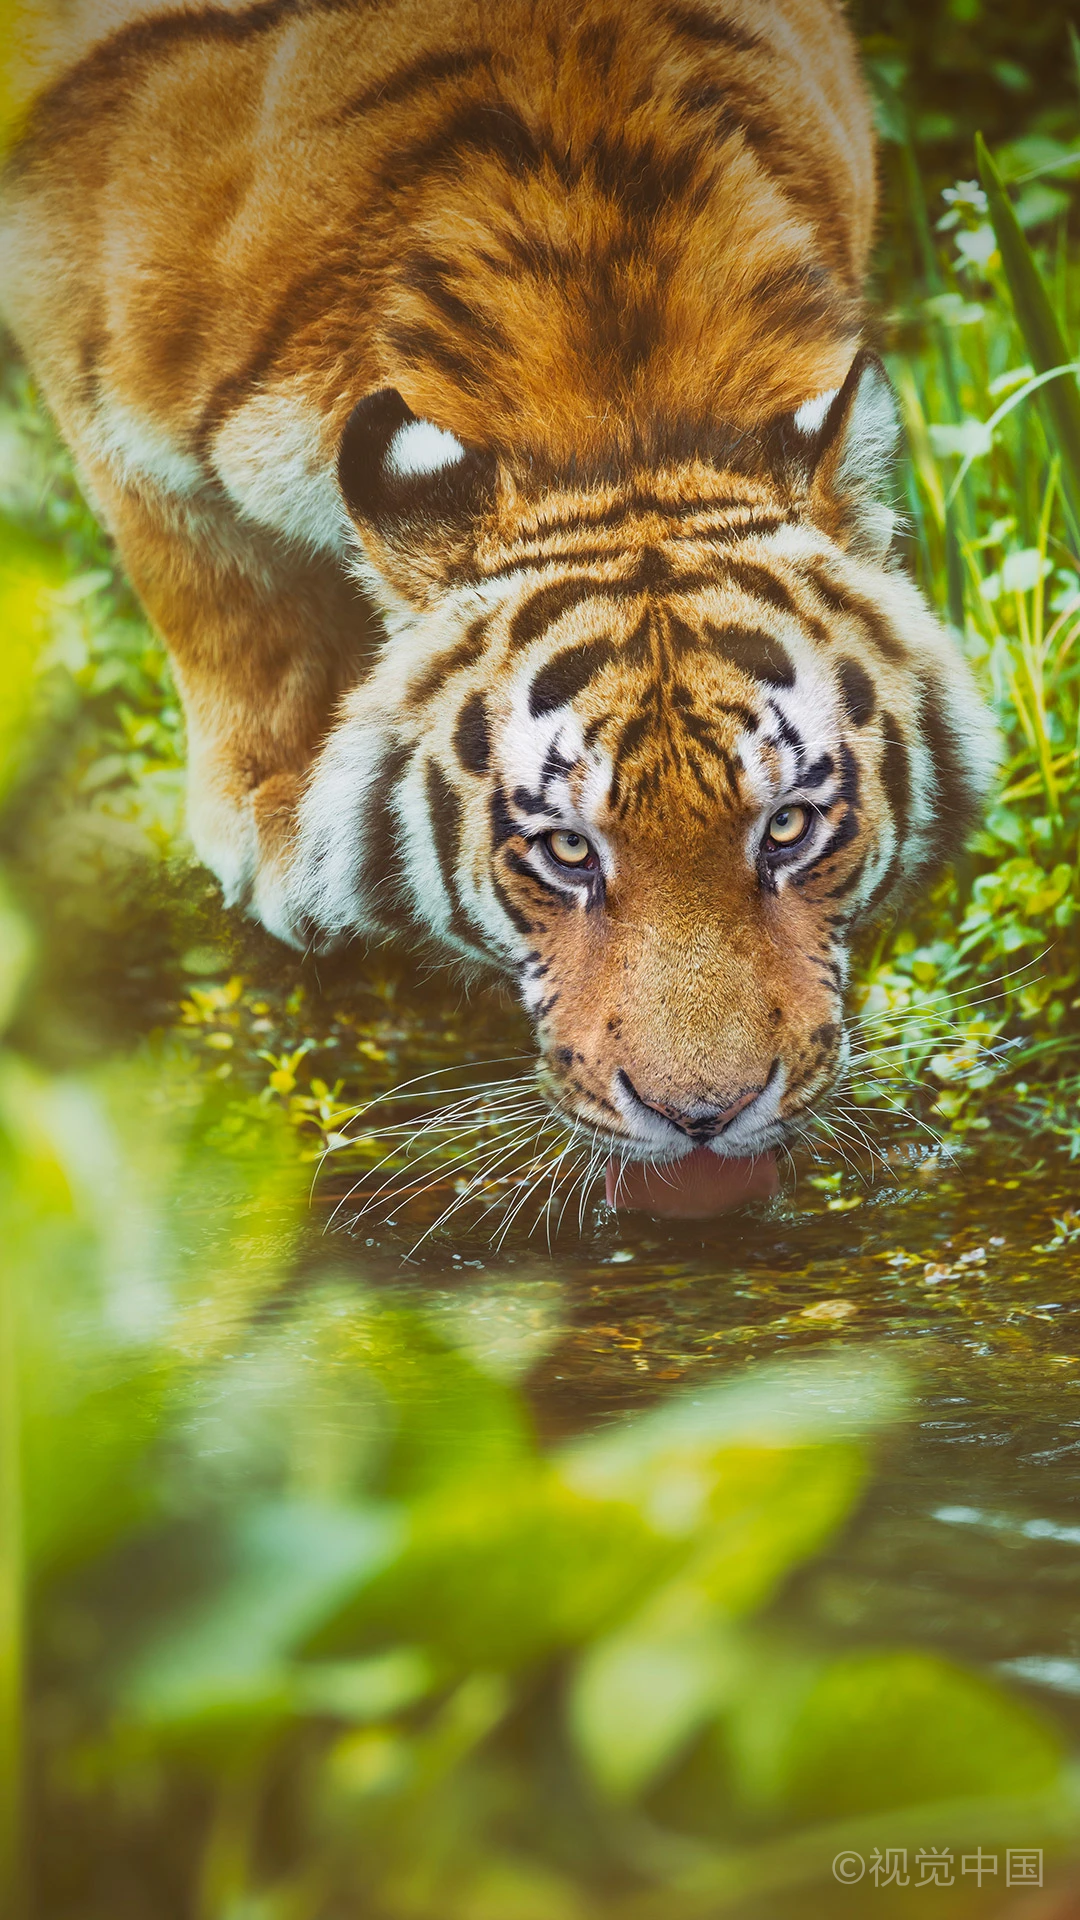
420 447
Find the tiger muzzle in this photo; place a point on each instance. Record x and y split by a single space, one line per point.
704 1123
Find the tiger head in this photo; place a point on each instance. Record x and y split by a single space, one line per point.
655 742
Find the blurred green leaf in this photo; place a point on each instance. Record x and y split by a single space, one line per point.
287 1566
870 1730
640 1695
16 949
501 1572
29 572
735 1471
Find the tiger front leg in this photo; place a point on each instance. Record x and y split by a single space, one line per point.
263 640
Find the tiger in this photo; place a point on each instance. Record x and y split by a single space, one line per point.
480 400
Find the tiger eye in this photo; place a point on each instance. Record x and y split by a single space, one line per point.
788 825
569 849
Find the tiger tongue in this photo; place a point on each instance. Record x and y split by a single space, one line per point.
691 1189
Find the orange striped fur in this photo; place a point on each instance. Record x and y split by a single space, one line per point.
543 325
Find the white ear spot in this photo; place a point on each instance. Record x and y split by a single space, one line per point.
421 447
811 414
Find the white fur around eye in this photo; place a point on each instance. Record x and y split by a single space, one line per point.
421 447
811 414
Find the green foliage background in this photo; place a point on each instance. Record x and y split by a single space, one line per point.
297 1617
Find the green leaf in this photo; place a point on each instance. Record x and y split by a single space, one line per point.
496 1573
16 948
288 1565
639 1696
29 571
738 1474
1042 331
877 1729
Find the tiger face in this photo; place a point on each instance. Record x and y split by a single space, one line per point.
655 744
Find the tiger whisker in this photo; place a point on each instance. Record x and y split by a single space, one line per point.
518 1085
556 1182
522 1201
420 1184
418 1080
579 1168
485 1173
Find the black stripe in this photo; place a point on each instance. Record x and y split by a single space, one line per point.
472 738
503 824
817 775
562 678
569 557
641 503
548 604
530 803
382 871
734 530
802 174
884 887
841 836
598 44
957 801
842 600
414 77
704 25
703 782
418 344
515 917
65 109
464 654
788 734
630 739
430 277
705 96
283 324
753 652
598 556
444 814
858 692
849 885
534 254
846 829
896 776
478 129
805 292
522 867
702 731
760 584
639 177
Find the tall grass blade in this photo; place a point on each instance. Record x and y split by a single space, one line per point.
1039 324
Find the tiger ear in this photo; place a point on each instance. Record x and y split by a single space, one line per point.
401 475
846 443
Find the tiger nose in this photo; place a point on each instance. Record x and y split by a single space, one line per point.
706 1122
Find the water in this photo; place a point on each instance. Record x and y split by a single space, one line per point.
964 1269
969 1541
